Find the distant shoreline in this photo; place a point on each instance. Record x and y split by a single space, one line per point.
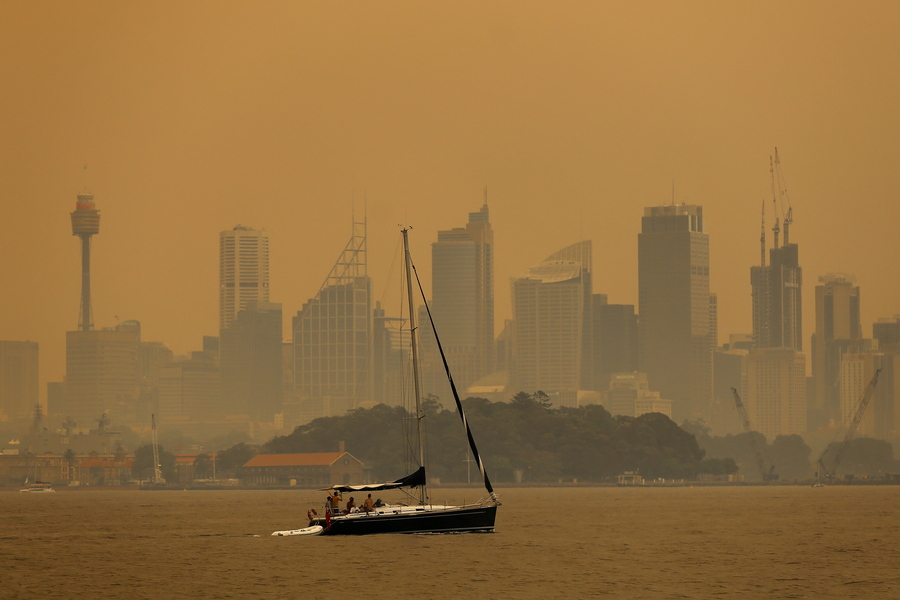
569 484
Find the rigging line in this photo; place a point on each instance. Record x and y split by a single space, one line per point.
370 347
459 406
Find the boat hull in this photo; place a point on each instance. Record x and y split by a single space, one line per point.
38 490
477 519
314 530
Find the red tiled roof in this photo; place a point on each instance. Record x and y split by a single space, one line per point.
318 459
188 459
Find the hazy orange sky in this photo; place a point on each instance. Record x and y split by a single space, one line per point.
194 117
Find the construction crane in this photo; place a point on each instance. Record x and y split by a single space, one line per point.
768 474
851 430
779 195
157 473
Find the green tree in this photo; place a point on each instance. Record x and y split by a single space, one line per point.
862 457
96 474
791 457
525 434
203 466
142 468
718 466
228 461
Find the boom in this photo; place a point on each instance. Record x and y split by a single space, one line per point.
157 473
852 429
767 474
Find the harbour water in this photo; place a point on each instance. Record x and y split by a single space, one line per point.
566 542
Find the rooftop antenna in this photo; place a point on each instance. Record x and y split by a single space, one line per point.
673 191
776 229
85 179
485 194
762 237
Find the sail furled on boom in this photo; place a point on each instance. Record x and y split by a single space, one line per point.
412 480
459 406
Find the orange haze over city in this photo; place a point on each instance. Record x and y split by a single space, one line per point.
289 116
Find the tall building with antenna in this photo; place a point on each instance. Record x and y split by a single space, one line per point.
777 287
462 303
101 364
331 336
776 367
85 224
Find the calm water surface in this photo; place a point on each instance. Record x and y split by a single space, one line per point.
717 542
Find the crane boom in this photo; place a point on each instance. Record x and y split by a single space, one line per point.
853 428
767 473
157 473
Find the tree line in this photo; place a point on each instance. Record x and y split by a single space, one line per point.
525 439
792 457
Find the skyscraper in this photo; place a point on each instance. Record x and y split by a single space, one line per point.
615 340
886 403
190 391
776 293
331 336
250 352
391 353
243 270
462 298
18 379
776 387
887 332
838 330
551 310
673 296
102 373
101 365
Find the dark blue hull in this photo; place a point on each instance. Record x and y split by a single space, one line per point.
478 519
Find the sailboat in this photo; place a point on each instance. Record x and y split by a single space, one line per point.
38 487
422 516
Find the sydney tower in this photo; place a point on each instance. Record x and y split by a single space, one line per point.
85 223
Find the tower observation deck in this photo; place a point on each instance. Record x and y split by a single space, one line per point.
85 223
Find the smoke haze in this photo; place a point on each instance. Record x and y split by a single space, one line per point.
289 116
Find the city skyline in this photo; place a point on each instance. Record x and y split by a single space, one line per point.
427 276
574 120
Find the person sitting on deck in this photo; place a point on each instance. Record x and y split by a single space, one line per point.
379 503
369 504
351 506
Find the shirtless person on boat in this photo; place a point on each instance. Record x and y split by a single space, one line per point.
351 505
